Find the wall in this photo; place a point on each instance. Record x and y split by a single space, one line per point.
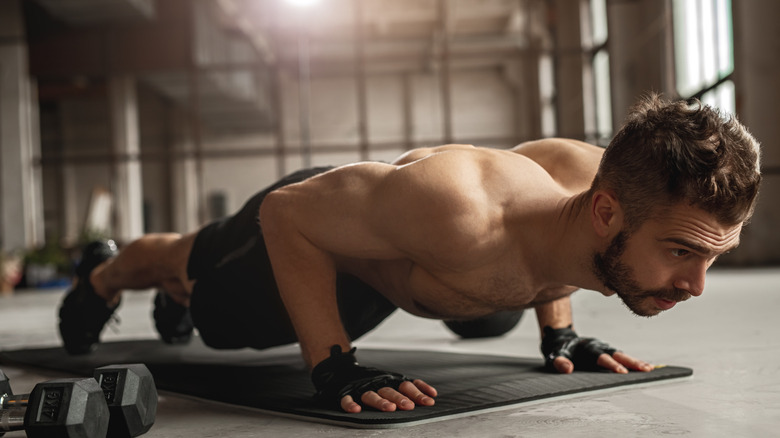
76 135
154 118
756 67
483 113
403 110
81 151
640 56
640 60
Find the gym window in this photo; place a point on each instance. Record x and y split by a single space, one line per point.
596 79
704 51
547 93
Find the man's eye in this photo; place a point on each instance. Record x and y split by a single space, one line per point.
680 252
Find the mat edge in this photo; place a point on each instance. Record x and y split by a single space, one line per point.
435 419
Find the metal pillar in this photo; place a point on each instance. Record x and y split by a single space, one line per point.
360 80
185 194
446 97
304 94
21 206
408 109
568 69
126 182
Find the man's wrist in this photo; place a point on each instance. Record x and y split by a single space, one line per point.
555 314
313 355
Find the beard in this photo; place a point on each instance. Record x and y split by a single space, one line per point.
609 268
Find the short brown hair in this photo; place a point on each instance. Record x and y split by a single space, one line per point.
670 152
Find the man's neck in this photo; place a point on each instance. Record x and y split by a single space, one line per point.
569 243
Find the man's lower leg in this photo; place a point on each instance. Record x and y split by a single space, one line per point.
83 313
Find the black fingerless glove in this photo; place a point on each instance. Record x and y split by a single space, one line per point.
583 352
340 375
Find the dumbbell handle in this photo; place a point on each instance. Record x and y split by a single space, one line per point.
11 401
11 420
11 415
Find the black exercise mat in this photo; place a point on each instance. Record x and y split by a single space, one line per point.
277 381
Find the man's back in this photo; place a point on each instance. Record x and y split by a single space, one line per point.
453 233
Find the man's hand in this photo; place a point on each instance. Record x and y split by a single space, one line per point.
341 381
408 395
564 351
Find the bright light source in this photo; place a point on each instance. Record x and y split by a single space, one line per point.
303 3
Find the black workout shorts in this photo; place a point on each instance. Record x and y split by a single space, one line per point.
235 302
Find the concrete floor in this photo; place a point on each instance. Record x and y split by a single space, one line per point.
729 336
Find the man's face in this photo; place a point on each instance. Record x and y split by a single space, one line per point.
665 260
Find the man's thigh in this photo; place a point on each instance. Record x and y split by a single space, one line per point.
234 309
237 311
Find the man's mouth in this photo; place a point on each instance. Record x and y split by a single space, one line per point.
664 304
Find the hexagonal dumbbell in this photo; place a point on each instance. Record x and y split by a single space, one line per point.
131 396
129 392
5 386
63 408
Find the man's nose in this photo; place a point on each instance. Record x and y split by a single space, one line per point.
692 281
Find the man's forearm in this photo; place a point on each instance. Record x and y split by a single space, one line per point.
306 278
313 311
555 314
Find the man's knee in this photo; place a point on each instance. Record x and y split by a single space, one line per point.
177 290
182 247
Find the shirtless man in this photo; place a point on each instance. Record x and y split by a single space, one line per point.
451 232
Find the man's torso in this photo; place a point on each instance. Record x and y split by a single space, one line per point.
478 260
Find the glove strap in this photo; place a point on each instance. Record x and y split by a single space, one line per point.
557 342
340 375
583 352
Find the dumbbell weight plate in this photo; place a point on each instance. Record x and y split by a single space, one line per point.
131 396
73 408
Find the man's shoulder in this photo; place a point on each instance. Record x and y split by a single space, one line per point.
467 170
547 149
571 163
555 143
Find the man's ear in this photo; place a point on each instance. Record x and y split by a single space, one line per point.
606 213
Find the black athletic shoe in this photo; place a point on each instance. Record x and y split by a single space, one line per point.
83 314
173 321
